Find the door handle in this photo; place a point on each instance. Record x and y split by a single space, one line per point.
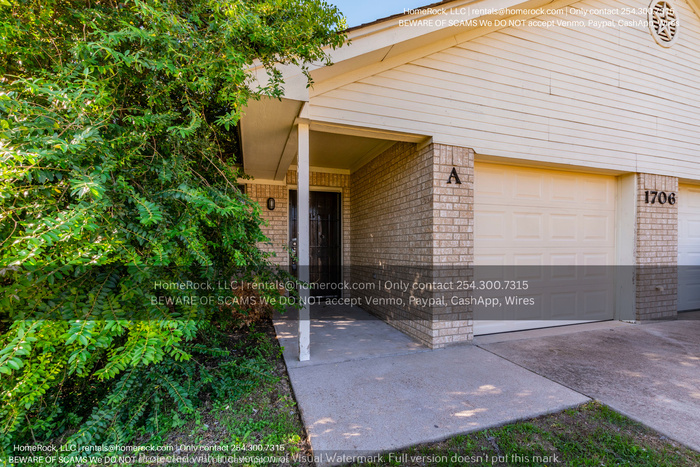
293 247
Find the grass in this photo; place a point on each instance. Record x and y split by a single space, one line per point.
589 435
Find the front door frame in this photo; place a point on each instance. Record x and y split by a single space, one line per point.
327 189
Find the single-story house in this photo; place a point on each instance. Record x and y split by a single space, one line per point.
475 133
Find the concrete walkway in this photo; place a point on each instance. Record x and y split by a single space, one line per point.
368 388
342 335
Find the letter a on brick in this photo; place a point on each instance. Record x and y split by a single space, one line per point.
454 175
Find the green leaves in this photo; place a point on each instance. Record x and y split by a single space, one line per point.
117 171
149 212
88 184
19 346
186 131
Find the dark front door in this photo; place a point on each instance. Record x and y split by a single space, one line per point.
324 240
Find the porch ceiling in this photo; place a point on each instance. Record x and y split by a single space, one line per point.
343 152
270 141
265 128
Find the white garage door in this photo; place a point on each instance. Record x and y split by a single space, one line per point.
688 248
535 217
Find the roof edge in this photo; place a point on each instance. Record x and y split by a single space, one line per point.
398 15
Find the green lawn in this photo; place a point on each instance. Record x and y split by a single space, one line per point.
589 435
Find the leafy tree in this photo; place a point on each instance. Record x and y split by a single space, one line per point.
117 151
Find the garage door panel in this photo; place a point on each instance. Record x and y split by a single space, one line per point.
690 198
527 226
560 303
532 259
536 312
691 259
526 274
494 225
546 218
524 228
692 230
561 188
494 259
563 227
491 183
688 248
563 271
689 298
535 256
594 272
598 191
529 185
595 303
596 259
596 228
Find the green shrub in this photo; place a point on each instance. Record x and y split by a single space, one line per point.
117 151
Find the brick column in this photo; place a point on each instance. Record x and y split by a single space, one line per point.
657 250
410 226
452 240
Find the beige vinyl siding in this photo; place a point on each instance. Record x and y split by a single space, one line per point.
606 98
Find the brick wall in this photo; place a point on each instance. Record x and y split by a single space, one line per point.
657 250
276 228
410 226
391 212
391 234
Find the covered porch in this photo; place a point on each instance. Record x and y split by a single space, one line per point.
341 334
385 184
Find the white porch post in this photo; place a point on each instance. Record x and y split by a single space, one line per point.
303 238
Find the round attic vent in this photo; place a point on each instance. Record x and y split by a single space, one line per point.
663 22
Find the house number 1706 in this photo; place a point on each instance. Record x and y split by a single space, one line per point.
653 196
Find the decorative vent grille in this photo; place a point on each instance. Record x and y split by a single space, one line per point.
663 22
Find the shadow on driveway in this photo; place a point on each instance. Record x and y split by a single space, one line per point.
649 372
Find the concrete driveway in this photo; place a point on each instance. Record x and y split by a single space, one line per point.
649 372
